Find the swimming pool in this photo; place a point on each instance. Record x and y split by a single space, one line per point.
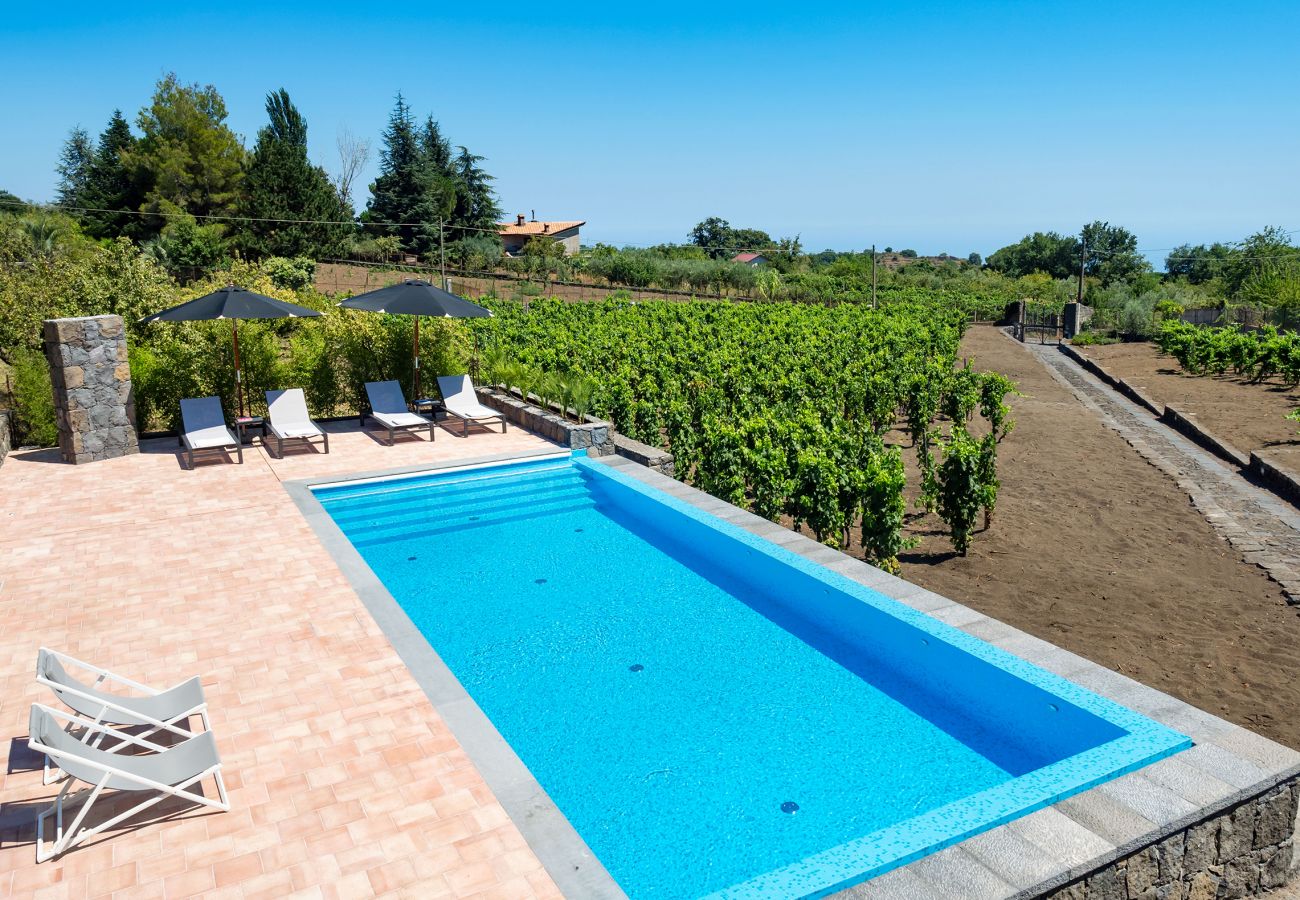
712 713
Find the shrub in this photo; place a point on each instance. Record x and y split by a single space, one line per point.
1136 318
962 487
290 274
1093 338
186 247
33 398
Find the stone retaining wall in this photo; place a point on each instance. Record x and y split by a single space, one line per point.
651 457
1276 478
6 433
1280 479
593 435
91 377
1245 851
1088 363
1186 425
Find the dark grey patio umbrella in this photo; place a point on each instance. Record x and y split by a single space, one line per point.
416 298
233 303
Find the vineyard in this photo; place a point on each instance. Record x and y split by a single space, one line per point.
780 408
1254 355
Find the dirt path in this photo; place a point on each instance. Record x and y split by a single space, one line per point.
1248 416
1096 550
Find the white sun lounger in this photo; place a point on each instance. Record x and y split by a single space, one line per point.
169 710
388 407
461 400
166 771
204 428
287 417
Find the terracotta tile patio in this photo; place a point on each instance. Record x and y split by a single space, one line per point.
343 780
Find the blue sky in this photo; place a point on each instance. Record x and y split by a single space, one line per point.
939 126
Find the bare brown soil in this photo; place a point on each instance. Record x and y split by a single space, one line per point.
1097 551
1251 417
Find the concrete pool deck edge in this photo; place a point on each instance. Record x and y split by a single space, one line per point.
1032 856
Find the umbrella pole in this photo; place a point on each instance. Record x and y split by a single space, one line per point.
239 375
417 358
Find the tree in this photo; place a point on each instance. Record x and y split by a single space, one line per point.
786 255
1112 253
354 153
112 194
1048 252
753 239
476 209
282 184
405 198
1263 263
188 160
974 260
12 203
74 166
437 148
1198 264
720 241
713 235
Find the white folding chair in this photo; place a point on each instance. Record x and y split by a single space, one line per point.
166 771
167 710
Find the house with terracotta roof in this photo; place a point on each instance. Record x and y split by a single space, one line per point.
515 234
750 259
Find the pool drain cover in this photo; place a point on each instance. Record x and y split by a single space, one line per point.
790 807
539 581
410 559
635 667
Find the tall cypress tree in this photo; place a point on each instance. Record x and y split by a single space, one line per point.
282 184
111 192
403 198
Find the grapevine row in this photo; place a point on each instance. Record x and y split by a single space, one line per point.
782 408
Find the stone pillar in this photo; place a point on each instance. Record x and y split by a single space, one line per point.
6 433
1076 315
92 387
1015 317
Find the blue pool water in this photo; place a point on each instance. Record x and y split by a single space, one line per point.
711 712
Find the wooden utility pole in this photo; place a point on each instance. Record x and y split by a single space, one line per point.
873 276
1083 262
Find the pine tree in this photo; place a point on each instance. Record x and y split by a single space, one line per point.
111 192
476 209
74 165
282 184
188 161
437 149
404 198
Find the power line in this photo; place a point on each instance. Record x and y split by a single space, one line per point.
359 224
352 223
